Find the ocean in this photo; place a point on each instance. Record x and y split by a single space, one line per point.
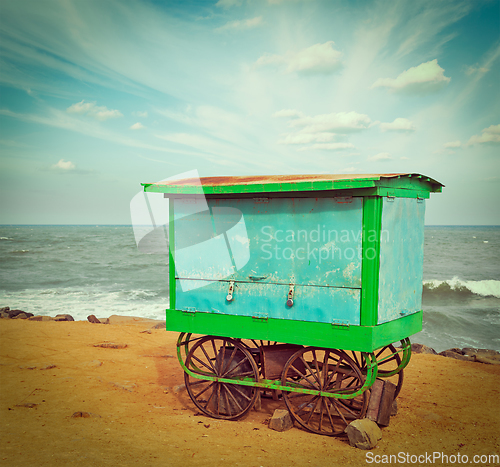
84 270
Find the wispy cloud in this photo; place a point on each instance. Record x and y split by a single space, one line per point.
341 121
317 59
399 124
305 138
330 146
91 109
490 135
228 3
64 165
56 118
452 144
241 25
381 157
286 113
137 126
422 79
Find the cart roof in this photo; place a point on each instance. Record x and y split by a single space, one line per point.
362 184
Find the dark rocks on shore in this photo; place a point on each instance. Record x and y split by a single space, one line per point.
421 348
491 357
452 353
483 355
93 319
63 317
6 312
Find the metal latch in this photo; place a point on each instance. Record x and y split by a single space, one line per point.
390 198
291 289
229 296
420 200
340 322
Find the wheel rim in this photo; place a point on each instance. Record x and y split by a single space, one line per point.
214 358
326 370
389 363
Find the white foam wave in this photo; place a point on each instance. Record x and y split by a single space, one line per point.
82 302
484 288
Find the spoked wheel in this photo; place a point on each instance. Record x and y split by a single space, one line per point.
388 363
220 358
326 370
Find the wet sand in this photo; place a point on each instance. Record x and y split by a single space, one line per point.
52 370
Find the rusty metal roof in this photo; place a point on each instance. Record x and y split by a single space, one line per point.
293 183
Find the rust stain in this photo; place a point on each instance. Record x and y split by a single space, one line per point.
265 179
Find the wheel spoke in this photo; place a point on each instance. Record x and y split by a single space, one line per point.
229 371
333 372
311 373
219 357
233 398
208 358
204 390
202 362
334 403
228 405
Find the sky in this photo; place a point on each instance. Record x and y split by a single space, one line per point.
97 97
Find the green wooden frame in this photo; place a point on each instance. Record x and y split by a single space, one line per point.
365 338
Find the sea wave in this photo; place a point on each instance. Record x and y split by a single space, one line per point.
462 288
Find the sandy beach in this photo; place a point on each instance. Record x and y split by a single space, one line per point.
51 371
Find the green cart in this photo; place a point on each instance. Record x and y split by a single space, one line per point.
296 285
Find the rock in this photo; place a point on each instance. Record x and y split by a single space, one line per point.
147 331
4 314
456 350
14 313
421 348
456 356
394 408
363 433
281 420
104 320
161 325
4 309
93 319
111 345
41 318
20 316
491 357
63 318
85 415
488 356
469 351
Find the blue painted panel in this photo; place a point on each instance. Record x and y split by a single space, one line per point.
316 304
401 258
303 241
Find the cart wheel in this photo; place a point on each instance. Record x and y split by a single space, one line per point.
220 357
325 370
388 363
